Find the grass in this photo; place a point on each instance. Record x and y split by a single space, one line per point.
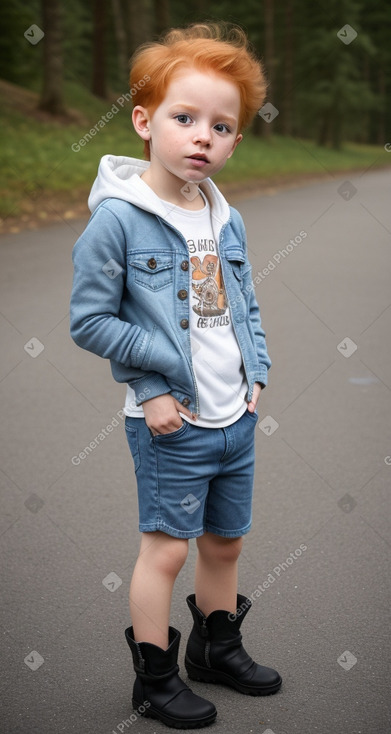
257 158
38 153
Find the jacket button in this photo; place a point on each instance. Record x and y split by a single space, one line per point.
184 324
185 264
182 295
185 402
152 263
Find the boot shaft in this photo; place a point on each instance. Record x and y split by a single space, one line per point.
151 660
220 624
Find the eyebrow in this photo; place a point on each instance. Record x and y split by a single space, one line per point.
190 108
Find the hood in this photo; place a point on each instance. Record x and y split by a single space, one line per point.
119 178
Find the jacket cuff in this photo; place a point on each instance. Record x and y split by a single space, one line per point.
149 386
262 376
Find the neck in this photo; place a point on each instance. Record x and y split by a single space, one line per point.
173 189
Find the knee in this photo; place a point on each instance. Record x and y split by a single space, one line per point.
221 550
171 555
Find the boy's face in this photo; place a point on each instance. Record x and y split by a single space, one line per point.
195 129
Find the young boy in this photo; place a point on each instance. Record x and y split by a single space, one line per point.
162 287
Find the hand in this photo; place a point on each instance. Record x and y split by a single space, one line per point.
255 397
162 414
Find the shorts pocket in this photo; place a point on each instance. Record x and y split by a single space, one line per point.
252 416
173 435
132 437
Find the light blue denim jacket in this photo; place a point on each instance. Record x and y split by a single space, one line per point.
130 266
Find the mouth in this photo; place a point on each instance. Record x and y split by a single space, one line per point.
199 159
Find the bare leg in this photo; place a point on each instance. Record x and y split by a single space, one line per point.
216 577
160 559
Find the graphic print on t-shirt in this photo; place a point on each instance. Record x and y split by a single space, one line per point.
203 308
208 287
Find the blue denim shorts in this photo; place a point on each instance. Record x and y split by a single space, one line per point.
194 480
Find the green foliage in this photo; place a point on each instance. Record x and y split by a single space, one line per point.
77 34
331 92
20 62
48 162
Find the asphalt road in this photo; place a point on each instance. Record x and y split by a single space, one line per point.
317 559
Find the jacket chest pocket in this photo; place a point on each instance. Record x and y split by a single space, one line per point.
241 270
152 271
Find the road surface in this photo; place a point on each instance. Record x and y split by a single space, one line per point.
316 562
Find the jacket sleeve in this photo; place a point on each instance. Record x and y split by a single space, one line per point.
264 361
99 259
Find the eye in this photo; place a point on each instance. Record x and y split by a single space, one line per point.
221 127
183 119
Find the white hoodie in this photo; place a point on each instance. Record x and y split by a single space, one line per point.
116 179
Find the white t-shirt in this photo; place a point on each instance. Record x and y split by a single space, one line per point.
216 357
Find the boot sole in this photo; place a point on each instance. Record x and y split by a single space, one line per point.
152 713
208 675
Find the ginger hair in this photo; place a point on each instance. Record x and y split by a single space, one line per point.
207 47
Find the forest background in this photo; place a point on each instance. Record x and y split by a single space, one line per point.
64 68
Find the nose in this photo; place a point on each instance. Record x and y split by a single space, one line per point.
202 135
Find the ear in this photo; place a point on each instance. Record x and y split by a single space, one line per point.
141 120
238 140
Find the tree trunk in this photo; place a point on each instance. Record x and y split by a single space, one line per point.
200 6
336 114
98 49
337 132
140 23
162 15
287 123
269 59
52 91
324 129
120 36
380 114
364 134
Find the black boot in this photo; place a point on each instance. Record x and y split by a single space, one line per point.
158 690
215 653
